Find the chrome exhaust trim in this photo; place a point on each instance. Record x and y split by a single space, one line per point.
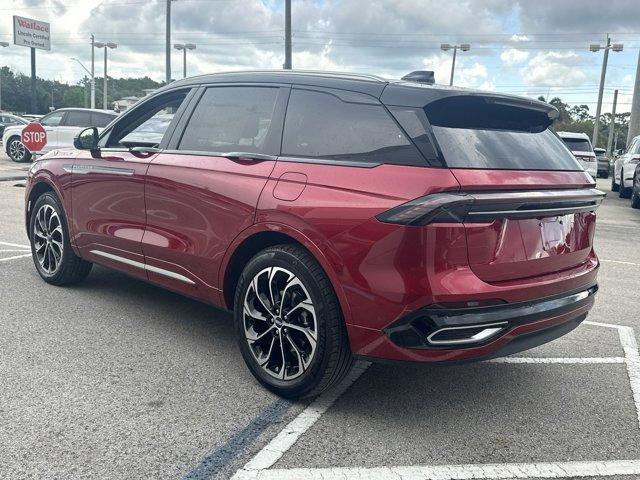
487 331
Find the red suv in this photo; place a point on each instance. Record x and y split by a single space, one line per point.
337 215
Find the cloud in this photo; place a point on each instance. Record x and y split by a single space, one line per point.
554 69
513 56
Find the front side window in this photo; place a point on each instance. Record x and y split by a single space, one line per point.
145 126
324 126
232 119
53 119
78 118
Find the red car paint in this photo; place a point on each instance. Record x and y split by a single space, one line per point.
190 213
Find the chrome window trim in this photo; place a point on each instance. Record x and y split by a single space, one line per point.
86 169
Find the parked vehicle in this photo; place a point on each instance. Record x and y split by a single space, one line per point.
336 215
9 120
61 126
603 162
580 146
635 189
624 168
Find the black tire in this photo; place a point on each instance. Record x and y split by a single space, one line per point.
623 192
69 268
635 193
614 186
331 360
16 151
605 174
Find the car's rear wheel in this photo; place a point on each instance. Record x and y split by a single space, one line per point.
635 193
50 247
17 151
289 325
623 192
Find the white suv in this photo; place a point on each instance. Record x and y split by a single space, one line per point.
61 126
580 146
624 168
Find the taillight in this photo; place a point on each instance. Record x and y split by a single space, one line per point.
439 207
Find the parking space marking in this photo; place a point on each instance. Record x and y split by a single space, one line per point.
14 257
259 467
558 360
8 244
620 262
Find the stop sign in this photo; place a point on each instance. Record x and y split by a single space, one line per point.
33 137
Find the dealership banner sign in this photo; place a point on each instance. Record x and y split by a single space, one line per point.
31 33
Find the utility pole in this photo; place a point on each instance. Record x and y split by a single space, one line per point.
612 123
34 100
168 44
634 121
287 35
93 72
594 47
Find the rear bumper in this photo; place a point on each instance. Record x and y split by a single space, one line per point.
511 328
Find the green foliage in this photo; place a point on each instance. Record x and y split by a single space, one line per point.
16 91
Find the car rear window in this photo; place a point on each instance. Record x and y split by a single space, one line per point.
577 144
480 132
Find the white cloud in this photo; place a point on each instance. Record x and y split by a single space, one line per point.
519 38
513 56
550 69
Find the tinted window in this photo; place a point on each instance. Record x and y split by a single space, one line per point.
78 119
577 144
146 124
232 119
53 119
101 120
413 121
322 125
503 149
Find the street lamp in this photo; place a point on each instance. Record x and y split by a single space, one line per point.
106 46
184 47
93 82
445 47
595 47
2 44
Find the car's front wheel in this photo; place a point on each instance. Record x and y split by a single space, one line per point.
51 249
289 325
623 192
17 151
614 186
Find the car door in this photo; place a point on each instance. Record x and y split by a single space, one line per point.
203 190
108 188
51 123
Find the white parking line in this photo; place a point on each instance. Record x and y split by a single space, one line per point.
620 262
259 467
26 247
15 257
558 360
455 472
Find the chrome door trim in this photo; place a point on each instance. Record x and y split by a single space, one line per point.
85 169
144 266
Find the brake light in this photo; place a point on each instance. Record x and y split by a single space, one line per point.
439 207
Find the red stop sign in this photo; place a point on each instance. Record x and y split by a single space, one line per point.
33 137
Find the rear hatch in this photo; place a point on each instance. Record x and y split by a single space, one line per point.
533 205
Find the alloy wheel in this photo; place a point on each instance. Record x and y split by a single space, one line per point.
280 323
16 150
48 241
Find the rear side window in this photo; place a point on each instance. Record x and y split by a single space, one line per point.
100 120
232 119
475 132
324 126
577 144
78 119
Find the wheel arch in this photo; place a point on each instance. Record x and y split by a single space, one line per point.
38 187
261 236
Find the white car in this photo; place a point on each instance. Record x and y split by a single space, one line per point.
61 126
624 169
580 146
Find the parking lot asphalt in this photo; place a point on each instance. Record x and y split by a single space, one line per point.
115 378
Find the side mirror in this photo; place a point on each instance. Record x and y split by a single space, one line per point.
87 139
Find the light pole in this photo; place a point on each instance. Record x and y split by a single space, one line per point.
595 47
106 46
168 43
93 83
92 73
445 47
2 44
184 47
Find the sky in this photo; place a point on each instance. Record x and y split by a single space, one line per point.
524 47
